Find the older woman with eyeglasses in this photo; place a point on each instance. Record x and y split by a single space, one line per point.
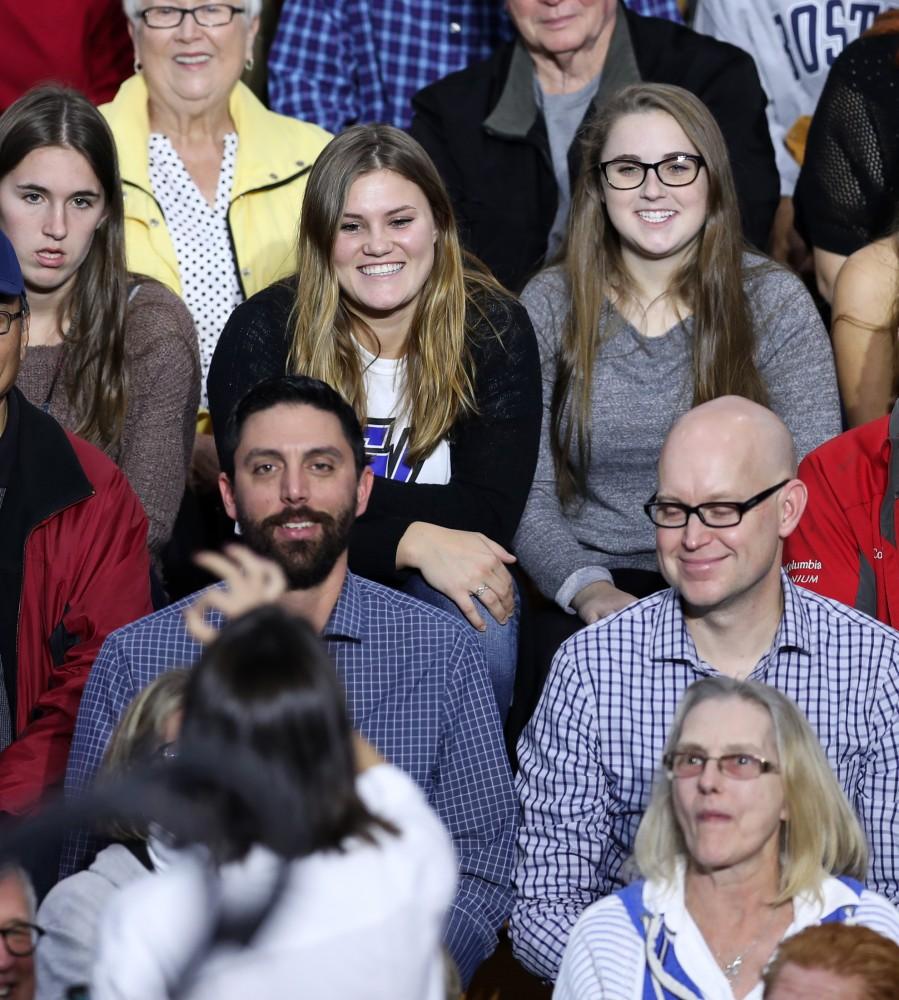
213 181
747 840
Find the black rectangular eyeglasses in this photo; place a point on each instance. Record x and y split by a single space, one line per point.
714 514
208 15
674 171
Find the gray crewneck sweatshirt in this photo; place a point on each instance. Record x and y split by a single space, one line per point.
641 385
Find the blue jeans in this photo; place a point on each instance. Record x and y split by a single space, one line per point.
499 642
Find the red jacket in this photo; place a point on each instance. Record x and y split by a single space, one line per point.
84 571
845 544
81 43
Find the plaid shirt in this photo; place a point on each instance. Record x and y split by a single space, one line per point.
339 62
416 687
590 753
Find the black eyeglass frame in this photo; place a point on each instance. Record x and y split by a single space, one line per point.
184 11
35 932
10 318
654 167
739 507
765 766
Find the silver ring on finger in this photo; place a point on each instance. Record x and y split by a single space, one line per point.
481 590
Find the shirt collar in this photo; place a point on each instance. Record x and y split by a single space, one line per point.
346 618
671 639
516 110
668 899
795 629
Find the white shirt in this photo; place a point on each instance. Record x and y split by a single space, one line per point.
387 426
793 43
365 923
202 240
605 956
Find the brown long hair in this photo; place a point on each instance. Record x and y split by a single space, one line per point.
94 367
439 380
710 282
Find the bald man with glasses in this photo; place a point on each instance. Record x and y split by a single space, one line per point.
727 499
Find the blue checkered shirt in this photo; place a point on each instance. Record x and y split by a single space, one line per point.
339 62
416 686
589 755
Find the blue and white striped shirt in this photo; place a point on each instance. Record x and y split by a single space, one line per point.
606 957
588 757
416 687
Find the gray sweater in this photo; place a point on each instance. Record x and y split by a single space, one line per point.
640 386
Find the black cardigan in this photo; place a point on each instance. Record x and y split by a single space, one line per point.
848 188
493 453
474 125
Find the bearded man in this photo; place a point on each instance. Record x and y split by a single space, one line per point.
294 479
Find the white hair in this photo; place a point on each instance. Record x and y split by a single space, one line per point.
17 872
132 8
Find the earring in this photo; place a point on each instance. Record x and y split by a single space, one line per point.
249 64
138 65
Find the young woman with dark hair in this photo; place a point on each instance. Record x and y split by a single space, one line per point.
438 361
655 307
112 355
325 873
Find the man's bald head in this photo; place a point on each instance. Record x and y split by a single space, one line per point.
736 428
727 452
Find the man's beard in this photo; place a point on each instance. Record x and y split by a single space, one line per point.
306 561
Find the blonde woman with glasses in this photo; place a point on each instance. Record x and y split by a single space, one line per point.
747 840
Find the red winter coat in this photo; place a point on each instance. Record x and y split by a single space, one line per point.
85 572
845 544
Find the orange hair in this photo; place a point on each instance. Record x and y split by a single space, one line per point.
844 950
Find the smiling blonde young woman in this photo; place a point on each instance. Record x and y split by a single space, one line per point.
438 361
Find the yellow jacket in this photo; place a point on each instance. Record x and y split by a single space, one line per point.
274 156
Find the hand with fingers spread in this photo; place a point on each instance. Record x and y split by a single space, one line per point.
250 581
463 565
599 599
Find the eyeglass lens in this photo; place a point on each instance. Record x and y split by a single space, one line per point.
213 15
734 765
20 939
674 172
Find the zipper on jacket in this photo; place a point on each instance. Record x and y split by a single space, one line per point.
243 194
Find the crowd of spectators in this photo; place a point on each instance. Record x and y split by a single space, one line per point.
448 499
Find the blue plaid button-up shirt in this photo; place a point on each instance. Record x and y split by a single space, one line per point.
588 757
339 62
416 687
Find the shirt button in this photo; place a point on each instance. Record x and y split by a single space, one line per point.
154 222
245 272
455 27
274 177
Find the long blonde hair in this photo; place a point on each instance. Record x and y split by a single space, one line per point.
710 282
439 369
821 835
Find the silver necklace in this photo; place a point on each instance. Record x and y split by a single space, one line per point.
732 968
